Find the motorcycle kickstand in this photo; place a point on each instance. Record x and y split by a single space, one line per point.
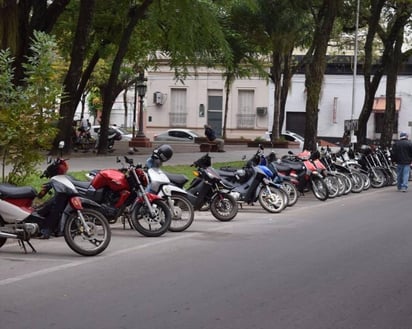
22 245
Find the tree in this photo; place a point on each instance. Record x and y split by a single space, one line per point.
390 33
28 113
314 71
19 20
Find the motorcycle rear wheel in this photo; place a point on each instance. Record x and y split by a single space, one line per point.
143 223
224 207
182 214
87 244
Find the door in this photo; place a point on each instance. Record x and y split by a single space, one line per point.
295 121
214 111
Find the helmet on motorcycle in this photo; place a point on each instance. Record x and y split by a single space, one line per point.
163 152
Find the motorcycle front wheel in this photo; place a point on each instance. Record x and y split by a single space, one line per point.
151 226
272 199
88 241
319 188
292 191
182 213
224 207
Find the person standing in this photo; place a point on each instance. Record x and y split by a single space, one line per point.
211 136
402 155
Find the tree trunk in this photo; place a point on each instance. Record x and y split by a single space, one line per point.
109 91
275 72
392 77
228 84
74 73
316 68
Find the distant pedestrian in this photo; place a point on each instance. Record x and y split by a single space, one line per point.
402 155
211 136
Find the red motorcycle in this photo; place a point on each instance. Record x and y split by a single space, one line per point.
121 194
303 169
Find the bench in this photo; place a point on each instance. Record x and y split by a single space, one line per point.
208 147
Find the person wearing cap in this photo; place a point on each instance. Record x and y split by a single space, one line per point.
402 155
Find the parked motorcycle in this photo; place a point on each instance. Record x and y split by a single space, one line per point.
85 142
252 183
176 198
308 177
208 190
85 230
121 194
278 178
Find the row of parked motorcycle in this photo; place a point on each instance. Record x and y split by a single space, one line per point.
152 201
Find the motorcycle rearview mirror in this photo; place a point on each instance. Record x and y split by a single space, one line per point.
61 147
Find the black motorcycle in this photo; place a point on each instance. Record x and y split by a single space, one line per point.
207 190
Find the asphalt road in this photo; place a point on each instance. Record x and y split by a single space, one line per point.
340 264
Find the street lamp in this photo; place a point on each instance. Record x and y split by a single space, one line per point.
134 110
141 91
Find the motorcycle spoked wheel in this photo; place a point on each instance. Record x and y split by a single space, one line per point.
273 201
182 214
292 192
357 182
143 223
332 185
224 207
87 244
319 188
377 177
366 181
2 240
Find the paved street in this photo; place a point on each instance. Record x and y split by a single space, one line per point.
343 263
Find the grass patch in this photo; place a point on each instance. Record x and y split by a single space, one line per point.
36 181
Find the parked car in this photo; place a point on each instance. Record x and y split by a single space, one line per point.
289 136
176 135
126 136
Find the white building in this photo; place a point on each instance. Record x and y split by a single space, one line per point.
200 99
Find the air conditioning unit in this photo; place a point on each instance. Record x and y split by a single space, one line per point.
158 98
261 111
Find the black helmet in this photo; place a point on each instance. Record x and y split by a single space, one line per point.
163 152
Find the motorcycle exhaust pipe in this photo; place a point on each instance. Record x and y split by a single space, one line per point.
8 235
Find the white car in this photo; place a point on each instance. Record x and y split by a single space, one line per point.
126 136
176 135
289 136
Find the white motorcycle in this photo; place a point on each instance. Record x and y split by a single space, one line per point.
85 231
176 198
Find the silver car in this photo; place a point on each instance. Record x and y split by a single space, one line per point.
176 135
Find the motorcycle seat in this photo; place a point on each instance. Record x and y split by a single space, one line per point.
79 183
8 191
178 179
285 166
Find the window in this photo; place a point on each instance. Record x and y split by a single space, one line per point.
178 111
246 114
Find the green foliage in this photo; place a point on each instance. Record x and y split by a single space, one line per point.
28 113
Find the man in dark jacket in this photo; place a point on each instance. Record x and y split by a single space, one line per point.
402 155
211 136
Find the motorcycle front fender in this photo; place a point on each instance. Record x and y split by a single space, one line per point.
169 189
